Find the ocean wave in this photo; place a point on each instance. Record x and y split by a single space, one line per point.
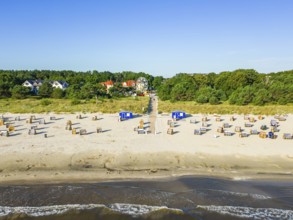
124 208
252 213
135 210
252 195
44 210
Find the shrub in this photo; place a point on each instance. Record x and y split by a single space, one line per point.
75 102
20 92
57 93
202 99
214 100
45 102
282 101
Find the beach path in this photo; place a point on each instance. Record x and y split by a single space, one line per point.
153 113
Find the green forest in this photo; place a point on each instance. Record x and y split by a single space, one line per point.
239 87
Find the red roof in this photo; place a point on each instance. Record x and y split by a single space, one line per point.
108 83
129 83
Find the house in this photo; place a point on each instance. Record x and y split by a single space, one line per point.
59 84
36 84
33 84
129 83
142 84
108 84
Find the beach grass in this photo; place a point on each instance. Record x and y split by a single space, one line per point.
135 104
225 108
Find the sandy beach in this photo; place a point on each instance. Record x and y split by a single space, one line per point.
120 152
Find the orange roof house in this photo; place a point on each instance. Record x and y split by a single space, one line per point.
108 84
129 83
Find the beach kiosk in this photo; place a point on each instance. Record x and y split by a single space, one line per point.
125 115
178 115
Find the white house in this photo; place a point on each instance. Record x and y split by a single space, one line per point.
33 84
142 84
36 84
59 84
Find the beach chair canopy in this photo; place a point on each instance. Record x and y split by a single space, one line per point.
125 115
178 114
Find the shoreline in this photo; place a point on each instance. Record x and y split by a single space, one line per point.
43 177
76 178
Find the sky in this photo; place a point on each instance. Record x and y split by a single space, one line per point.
159 37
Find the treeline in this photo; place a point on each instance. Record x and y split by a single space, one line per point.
240 87
82 85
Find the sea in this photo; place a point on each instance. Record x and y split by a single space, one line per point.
181 198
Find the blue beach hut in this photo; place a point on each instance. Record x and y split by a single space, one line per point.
178 114
125 115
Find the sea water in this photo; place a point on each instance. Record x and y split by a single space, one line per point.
202 198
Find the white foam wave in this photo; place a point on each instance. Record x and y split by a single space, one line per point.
252 195
253 213
44 210
130 209
136 210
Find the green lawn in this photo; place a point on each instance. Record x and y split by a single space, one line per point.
136 105
194 108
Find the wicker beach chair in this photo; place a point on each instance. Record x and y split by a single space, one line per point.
141 131
82 132
287 136
226 125
99 130
228 133
248 125
220 130
203 130
254 132
170 131
238 129
263 134
197 132
243 134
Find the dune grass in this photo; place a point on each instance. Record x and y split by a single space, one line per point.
225 108
137 105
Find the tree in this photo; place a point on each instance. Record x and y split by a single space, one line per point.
117 90
202 99
183 92
164 91
88 91
157 82
45 90
101 90
72 91
20 92
262 97
4 90
57 93
242 96
208 94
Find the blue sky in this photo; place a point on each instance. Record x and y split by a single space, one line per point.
159 37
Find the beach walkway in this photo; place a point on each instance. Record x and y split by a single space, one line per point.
153 113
